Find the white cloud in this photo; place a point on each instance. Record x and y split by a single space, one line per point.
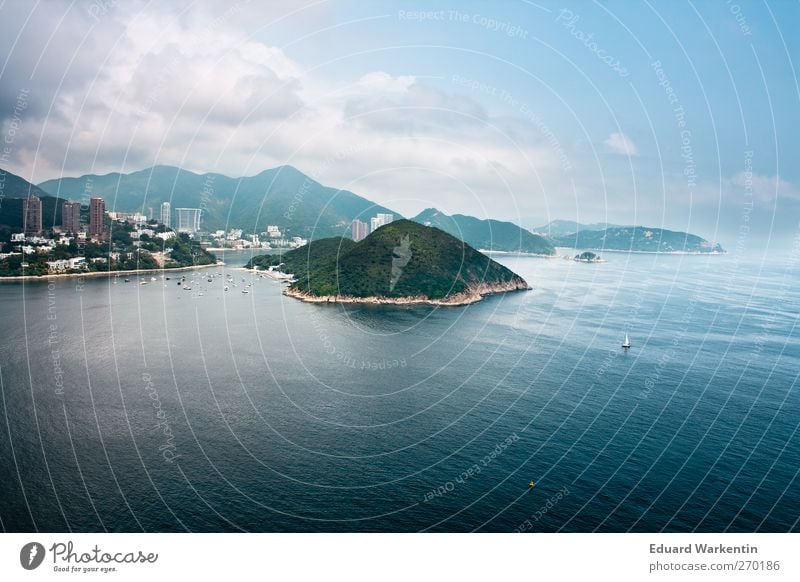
766 188
201 93
619 143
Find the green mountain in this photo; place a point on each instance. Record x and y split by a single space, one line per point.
14 190
401 260
283 196
638 238
12 186
492 235
556 228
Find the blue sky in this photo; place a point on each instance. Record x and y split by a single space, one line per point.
672 114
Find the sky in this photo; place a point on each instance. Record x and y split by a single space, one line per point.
680 115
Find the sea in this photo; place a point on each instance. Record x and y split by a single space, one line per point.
130 407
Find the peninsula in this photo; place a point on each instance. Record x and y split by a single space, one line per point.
402 263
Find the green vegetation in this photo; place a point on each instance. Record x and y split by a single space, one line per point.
638 238
283 195
492 235
401 259
587 257
556 228
119 253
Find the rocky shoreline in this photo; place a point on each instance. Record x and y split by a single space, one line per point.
472 295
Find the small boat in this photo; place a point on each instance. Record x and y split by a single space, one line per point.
626 343
153 279
245 291
127 280
209 279
531 484
226 287
167 278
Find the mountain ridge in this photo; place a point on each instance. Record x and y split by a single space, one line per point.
486 234
283 195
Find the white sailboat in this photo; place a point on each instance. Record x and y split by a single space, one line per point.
626 342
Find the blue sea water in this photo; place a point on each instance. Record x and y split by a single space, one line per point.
130 407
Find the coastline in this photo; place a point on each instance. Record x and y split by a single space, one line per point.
628 251
472 295
105 273
518 253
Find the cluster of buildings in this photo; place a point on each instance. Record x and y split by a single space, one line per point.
185 219
271 238
70 217
34 241
359 229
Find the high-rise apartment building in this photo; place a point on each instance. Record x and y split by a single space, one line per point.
97 217
359 230
166 212
71 216
32 215
379 220
188 219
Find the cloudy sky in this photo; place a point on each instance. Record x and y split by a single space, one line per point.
673 114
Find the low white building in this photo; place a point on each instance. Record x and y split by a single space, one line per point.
56 266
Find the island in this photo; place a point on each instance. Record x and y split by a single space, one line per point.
402 262
638 239
588 257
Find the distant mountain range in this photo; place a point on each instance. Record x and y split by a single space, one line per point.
637 238
304 207
283 196
557 228
489 235
401 262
